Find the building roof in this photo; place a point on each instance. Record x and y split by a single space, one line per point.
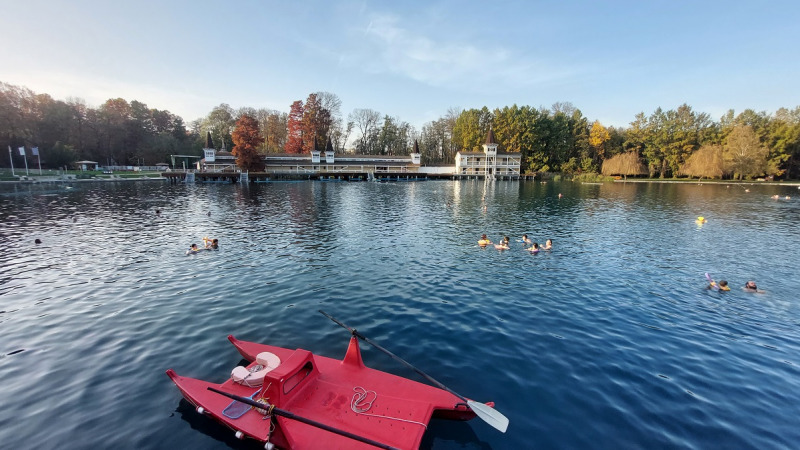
209 141
483 154
490 137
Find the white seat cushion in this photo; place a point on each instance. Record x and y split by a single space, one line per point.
254 376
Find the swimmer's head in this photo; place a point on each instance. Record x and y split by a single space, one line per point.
750 285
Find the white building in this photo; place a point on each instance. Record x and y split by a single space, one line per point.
489 163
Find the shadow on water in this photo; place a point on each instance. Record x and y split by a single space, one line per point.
440 435
451 434
212 428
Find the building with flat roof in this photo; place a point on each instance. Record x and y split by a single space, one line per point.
489 163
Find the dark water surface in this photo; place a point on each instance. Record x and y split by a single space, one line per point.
608 341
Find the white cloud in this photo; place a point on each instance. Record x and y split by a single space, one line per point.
386 47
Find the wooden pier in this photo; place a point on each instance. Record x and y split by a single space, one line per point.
265 177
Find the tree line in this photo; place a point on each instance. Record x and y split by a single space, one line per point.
666 143
115 133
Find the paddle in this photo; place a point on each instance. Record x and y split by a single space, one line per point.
282 412
482 410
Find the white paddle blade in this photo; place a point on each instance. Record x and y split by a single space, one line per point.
489 415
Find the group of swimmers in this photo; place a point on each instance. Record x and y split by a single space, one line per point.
750 286
208 244
504 243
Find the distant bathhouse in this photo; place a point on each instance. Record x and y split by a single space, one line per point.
327 165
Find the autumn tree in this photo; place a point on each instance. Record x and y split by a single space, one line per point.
598 136
743 154
624 164
705 162
246 140
316 123
294 124
273 128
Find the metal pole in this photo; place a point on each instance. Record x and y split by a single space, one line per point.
10 158
25 158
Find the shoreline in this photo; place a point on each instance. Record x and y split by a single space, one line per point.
736 182
61 180
57 180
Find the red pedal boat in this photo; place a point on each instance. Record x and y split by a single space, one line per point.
312 395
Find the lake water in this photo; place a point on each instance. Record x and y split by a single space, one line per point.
608 341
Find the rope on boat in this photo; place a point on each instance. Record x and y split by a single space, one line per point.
360 405
252 370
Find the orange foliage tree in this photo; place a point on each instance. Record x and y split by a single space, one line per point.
246 139
294 141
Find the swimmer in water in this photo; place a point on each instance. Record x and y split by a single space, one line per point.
750 286
193 249
548 244
534 248
484 241
722 286
503 245
525 239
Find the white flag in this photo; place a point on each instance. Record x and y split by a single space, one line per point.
35 151
21 151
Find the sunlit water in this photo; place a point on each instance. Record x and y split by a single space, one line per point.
608 341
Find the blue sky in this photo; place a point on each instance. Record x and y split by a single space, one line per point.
411 60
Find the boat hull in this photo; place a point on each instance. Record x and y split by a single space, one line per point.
344 394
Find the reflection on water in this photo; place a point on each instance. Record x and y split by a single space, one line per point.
610 340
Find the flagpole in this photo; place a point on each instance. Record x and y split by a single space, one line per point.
25 158
40 160
10 158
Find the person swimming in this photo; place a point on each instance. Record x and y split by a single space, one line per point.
192 249
750 286
722 285
548 244
503 245
525 239
534 248
484 241
208 243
